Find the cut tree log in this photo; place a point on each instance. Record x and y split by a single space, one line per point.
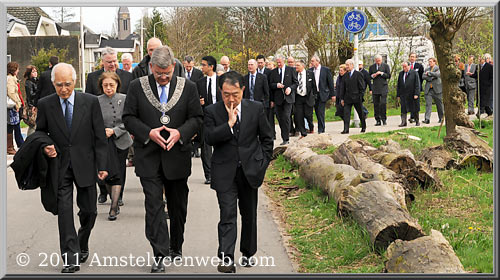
372 205
377 205
312 141
428 254
474 150
402 161
438 157
298 154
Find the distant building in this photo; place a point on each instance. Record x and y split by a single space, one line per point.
36 21
124 28
16 27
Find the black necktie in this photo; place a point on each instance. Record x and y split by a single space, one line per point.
189 76
209 91
67 114
406 75
279 71
236 127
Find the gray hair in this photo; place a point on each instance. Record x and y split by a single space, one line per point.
219 68
163 57
405 63
59 65
487 56
279 56
108 50
301 61
315 57
127 56
378 56
349 61
188 58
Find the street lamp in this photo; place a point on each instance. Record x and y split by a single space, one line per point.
154 27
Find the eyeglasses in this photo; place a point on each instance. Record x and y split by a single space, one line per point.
166 74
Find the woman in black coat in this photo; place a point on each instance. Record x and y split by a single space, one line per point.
31 76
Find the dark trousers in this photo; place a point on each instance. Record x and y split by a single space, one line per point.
283 112
410 105
206 155
246 197
16 129
270 117
122 158
380 106
347 114
319 107
72 243
176 192
293 123
302 111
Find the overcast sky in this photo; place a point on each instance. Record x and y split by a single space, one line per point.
100 19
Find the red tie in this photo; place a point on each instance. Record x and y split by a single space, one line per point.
412 66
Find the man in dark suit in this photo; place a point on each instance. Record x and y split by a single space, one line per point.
163 113
262 69
283 84
380 74
45 86
354 87
408 92
209 93
192 73
419 68
486 86
325 88
305 98
256 85
74 122
243 146
110 63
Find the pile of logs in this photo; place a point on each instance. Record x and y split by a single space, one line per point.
372 186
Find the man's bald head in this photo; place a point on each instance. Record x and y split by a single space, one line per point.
225 62
153 43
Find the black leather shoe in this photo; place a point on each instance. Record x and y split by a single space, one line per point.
72 268
363 130
440 120
344 132
196 153
284 143
158 268
102 198
384 122
84 255
208 181
411 120
426 121
226 268
248 261
175 254
111 217
417 123
378 123
120 202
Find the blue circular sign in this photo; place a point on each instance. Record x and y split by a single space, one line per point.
355 21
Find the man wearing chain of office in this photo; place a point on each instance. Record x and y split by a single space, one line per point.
163 112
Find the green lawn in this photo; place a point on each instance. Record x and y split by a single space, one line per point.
326 243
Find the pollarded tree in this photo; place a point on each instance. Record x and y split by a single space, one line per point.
445 22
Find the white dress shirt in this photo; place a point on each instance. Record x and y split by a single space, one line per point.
214 87
317 71
239 115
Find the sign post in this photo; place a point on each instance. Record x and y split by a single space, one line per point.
355 21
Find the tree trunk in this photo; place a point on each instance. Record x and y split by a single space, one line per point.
428 254
437 157
453 98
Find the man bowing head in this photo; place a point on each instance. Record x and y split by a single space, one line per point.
243 145
163 112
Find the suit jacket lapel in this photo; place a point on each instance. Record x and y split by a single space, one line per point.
78 110
243 119
152 83
58 115
171 89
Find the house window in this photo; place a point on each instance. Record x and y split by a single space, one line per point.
125 26
8 58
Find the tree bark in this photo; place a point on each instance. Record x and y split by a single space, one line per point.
428 254
474 150
437 157
453 98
